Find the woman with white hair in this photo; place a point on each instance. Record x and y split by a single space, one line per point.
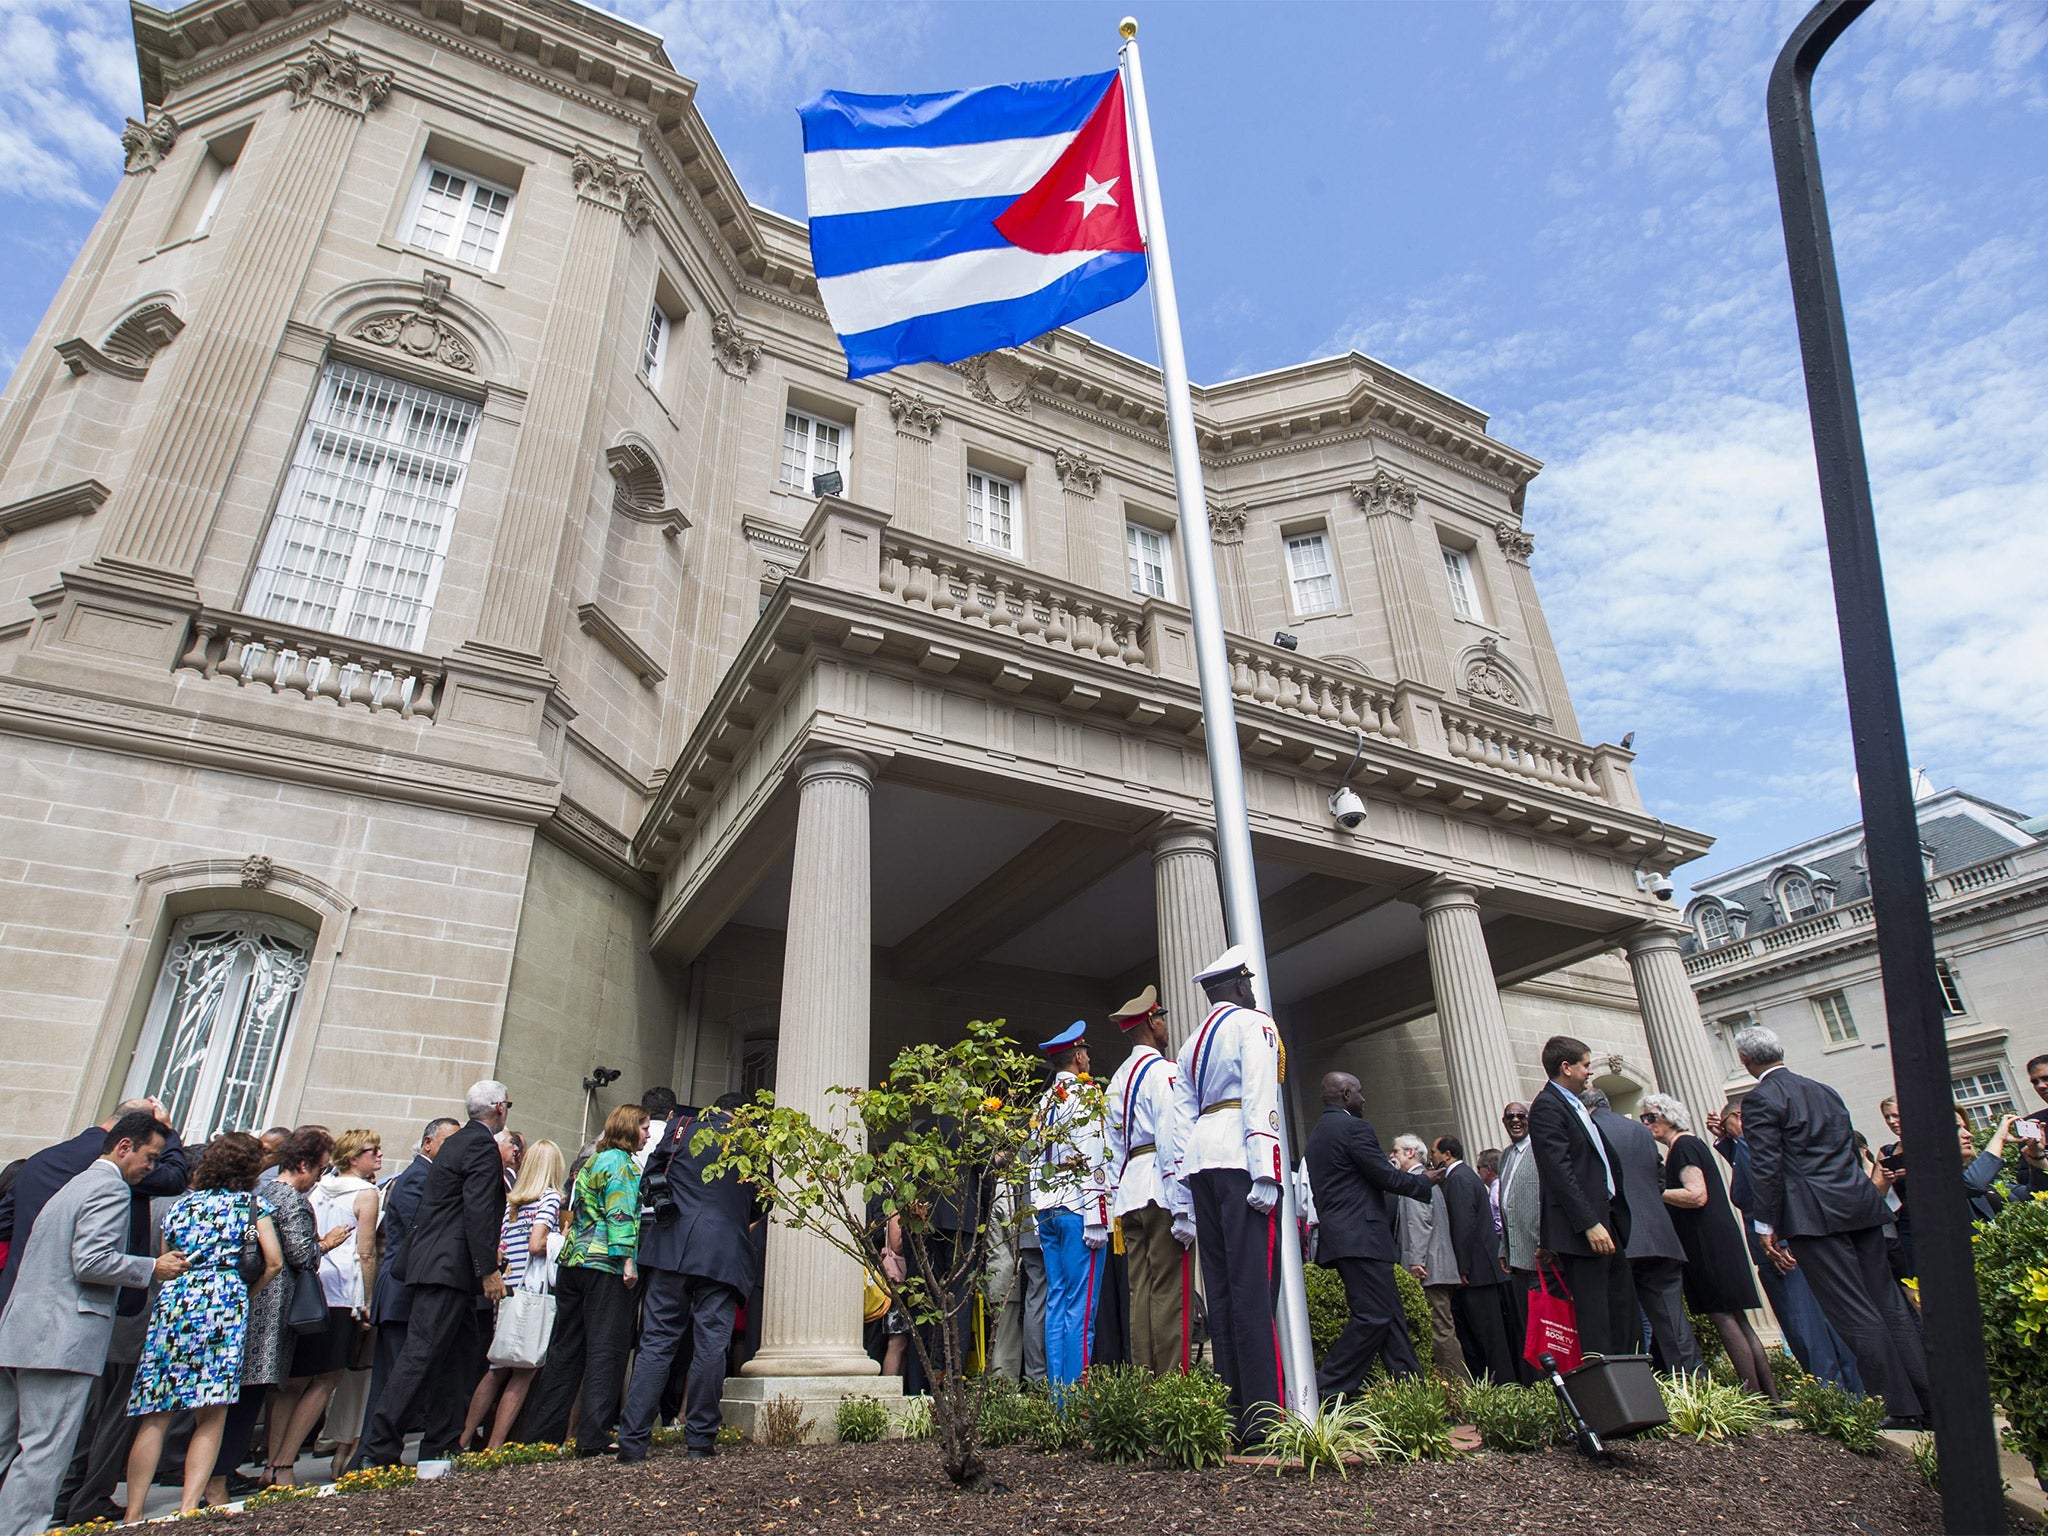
1718 1282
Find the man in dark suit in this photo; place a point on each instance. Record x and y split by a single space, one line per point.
697 1265
1812 1196
1352 1178
451 1255
390 1299
1481 1297
1585 1210
1656 1257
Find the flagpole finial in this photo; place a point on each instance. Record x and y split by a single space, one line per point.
1127 29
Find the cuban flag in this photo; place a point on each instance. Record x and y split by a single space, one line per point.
950 224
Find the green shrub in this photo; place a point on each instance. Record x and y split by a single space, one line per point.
1785 1368
2012 1288
1112 1402
860 1419
1335 1434
918 1423
1926 1462
1414 1307
1512 1418
1703 1408
1822 1408
1006 1413
1414 1419
1189 1419
1327 1309
1055 1422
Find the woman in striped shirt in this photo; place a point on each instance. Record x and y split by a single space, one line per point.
533 1210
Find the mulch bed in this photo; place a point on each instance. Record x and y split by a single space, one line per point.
1768 1483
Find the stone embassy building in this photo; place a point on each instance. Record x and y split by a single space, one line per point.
422 656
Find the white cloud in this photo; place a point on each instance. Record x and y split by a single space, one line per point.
779 50
71 69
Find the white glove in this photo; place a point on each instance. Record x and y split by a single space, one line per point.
1184 1231
1094 1236
1264 1196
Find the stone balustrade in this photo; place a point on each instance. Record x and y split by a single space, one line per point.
996 595
1539 755
319 667
1267 674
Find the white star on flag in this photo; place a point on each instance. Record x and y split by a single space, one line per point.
1095 195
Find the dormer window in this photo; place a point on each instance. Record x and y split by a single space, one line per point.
1713 924
1795 897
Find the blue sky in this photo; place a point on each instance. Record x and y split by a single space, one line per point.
1562 213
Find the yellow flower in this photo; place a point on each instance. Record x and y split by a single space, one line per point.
1059 1091
991 1104
1083 1077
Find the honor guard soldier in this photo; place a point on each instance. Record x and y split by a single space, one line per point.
1230 1162
1071 1197
1150 1200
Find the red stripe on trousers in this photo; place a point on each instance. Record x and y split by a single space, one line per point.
1272 1246
1186 1322
1088 1312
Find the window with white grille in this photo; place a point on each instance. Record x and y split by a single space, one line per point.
1951 989
1310 573
992 512
1795 894
654 346
362 528
810 446
217 1020
1713 924
455 215
1146 549
1836 1022
1464 590
1983 1097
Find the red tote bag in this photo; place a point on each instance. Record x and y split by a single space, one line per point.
1553 1325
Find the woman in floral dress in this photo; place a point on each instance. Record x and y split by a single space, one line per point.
193 1355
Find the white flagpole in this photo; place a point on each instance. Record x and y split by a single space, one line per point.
1219 715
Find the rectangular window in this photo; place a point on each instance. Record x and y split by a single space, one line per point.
1310 573
1464 590
362 528
1835 1019
810 447
1951 989
1984 1097
654 346
202 202
992 512
1146 548
457 216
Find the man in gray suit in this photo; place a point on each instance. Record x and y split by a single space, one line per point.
1521 1224
1431 1257
1656 1258
60 1317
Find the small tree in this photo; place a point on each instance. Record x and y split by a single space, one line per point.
947 1131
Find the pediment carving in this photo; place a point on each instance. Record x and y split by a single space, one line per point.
1485 676
146 143
418 333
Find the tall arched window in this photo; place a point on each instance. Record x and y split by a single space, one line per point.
1795 895
216 1025
1713 924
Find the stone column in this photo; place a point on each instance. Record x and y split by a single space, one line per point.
1189 904
1671 1020
1226 532
1388 502
811 1294
1478 1056
158 518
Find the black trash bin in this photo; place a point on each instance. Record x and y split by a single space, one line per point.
1617 1395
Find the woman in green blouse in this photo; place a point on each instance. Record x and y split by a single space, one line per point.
594 1291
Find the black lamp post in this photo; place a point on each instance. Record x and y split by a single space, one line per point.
1971 1496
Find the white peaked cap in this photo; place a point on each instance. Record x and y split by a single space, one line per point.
1229 963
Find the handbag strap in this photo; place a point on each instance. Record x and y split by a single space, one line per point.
1543 1273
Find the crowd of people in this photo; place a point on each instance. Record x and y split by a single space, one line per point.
225 1306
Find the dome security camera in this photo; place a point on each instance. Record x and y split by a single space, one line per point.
1661 887
1348 809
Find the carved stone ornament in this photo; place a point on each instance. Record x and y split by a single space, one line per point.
1385 491
1079 474
433 289
610 183
999 379
148 143
256 872
1226 525
1485 678
735 351
130 347
418 333
914 415
1515 544
338 76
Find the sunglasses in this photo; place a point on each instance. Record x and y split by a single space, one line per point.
1647 1119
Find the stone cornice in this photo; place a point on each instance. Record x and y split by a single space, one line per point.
82 498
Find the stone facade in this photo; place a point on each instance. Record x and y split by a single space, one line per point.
423 654
1787 941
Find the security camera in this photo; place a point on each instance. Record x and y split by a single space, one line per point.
1657 885
1348 809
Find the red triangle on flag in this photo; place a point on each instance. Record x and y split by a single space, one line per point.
1086 201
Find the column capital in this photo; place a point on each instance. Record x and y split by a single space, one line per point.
1182 837
1446 892
1384 491
339 77
1654 936
835 763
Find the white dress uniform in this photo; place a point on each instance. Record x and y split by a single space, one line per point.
1144 1159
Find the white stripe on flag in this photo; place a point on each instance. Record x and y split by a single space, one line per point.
865 180
864 301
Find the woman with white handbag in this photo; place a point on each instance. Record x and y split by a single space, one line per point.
526 1317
